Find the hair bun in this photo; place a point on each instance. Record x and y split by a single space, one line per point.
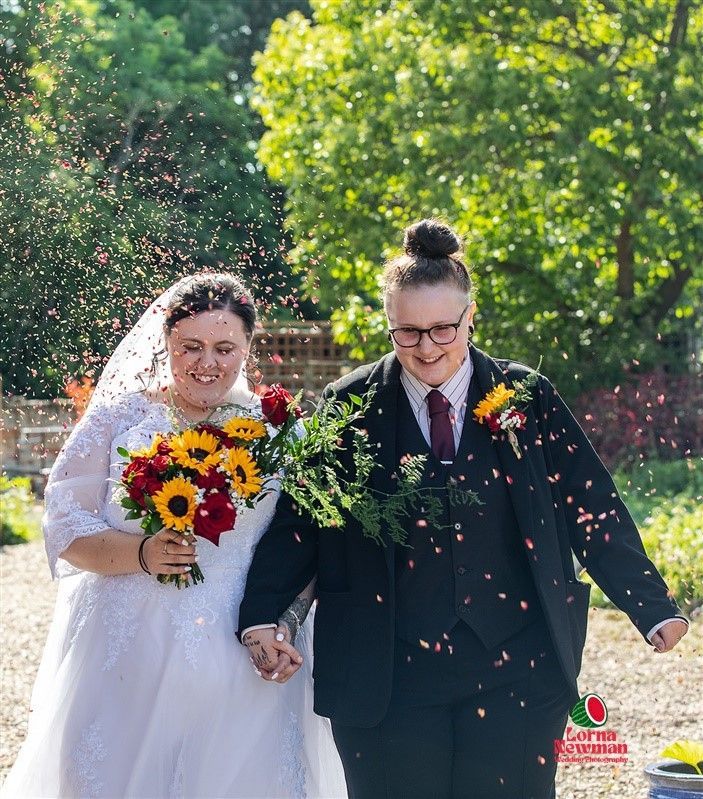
430 238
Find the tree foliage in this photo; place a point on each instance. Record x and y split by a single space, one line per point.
126 160
238 28
563 139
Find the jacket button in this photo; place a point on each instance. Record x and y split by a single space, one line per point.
457 526
461 570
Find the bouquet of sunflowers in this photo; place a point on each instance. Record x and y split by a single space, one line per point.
196 480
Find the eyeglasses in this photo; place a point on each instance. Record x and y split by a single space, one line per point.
440 334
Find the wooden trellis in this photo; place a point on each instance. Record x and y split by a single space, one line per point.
302 355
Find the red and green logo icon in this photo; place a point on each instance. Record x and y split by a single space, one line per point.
590 711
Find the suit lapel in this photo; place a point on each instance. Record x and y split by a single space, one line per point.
471 427
382 430
516 471
520 476
380 420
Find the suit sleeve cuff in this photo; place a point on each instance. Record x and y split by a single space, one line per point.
262 627
662 623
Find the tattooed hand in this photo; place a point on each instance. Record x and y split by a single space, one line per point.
271 658
261 652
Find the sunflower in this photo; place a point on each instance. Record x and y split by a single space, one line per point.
244 429
175 504
150 451
493 401
244 472
198 451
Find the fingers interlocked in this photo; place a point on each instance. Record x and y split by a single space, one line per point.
289 659
274 660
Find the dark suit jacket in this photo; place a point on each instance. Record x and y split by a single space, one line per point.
564 499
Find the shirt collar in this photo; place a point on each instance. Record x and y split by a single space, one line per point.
454 389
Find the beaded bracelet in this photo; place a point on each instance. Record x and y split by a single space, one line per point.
142 562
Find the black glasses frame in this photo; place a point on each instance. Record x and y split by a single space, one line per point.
428 330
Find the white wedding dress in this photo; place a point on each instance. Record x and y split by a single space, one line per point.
144 690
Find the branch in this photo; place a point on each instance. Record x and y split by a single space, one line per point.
589 56
127 154
680 24
623 249
677 35
640 199
667 295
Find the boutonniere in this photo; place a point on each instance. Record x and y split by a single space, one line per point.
499 408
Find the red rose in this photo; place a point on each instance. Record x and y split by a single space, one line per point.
219 434
214 516
144 483
274 405
214 431
137 466
163 448
160 463
153 486
492 420
137 495
211 479
140 481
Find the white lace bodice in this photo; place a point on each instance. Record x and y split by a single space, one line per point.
79 494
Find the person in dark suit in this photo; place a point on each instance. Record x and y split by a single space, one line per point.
448 666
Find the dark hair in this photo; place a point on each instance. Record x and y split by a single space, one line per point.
432 256
211 292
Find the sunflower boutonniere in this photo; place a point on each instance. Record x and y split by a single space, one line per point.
499 408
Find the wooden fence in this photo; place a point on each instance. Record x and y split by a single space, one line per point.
300 356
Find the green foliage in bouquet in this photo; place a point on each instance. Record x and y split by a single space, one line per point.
320 488
198 479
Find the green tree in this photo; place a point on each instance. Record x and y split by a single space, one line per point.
124 163
237 27
564 140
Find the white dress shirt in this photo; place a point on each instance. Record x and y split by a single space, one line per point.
455 390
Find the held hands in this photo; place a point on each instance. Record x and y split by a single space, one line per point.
271 653
666 637
169 552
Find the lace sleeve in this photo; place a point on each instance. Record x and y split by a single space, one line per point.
78 482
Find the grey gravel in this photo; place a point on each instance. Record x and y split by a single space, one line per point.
652 699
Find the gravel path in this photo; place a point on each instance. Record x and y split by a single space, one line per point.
652 699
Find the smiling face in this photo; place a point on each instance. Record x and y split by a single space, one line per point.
206 354
423 307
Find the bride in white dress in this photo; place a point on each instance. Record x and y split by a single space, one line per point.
143 689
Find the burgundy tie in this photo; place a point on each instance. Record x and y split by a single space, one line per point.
441 432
